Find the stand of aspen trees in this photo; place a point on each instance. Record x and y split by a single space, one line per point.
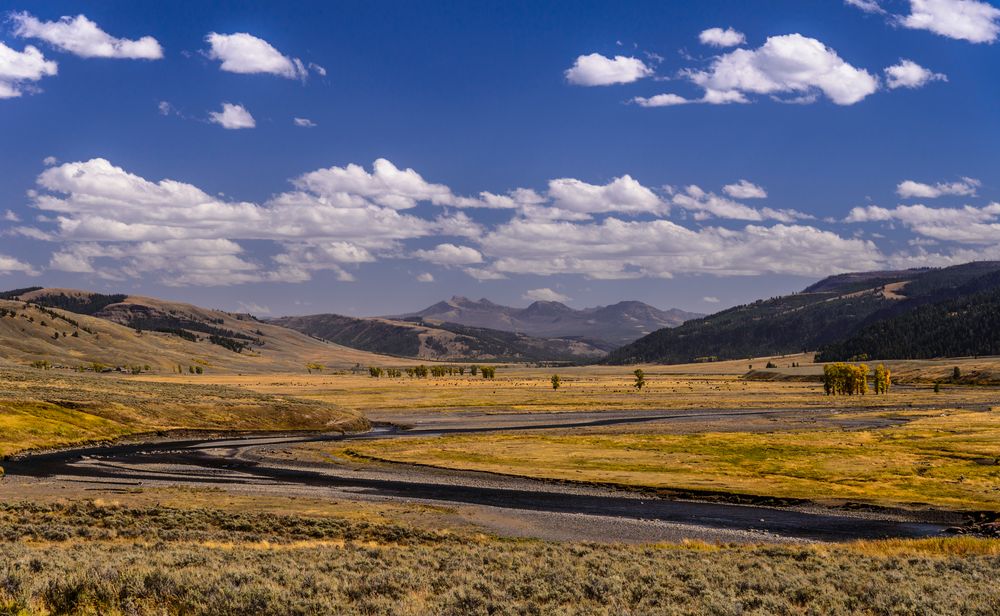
848 379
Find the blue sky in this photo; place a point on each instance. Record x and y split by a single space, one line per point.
694 155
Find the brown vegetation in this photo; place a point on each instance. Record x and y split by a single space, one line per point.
159 560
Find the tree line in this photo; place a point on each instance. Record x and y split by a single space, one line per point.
842 379
422 371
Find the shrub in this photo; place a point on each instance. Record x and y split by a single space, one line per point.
640 379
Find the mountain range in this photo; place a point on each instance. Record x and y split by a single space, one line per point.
441 341
907 314
611 326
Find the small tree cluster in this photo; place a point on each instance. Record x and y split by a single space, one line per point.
473 369
42 364
314 366
421 371
374 372
845 379
556 381
488 372
882 379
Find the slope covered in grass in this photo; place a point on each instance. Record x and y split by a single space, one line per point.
44 409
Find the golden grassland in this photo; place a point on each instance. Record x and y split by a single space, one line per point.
41 409
945 459
589 388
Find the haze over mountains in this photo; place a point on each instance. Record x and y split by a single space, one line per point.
461 328
615 325
441 341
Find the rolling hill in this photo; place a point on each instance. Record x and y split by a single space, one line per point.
852 315
442 341
72 328
616 324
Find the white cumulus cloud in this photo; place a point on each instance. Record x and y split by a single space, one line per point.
545 295
82 37
386 185
966 225
303 122
10 264
623 194
909 74
717 37
244 53
966 187
791 68
232 117
708 204
450 254
661 100
620 249
132 225
969 20
18 69
425 277
788 64
744 189
598 70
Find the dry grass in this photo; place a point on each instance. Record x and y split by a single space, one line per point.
44 409
942 459
591 388
86 558
36 335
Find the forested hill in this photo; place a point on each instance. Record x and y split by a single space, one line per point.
968 324
830 314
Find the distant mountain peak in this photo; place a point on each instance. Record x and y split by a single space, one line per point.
616 324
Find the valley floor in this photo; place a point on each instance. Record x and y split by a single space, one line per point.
703 493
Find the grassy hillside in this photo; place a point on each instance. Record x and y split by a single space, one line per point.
45 409
441 341
824 315
138 331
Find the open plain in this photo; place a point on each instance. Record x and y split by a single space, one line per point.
676 498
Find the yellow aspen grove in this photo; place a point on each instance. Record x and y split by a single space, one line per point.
882 379
845 379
